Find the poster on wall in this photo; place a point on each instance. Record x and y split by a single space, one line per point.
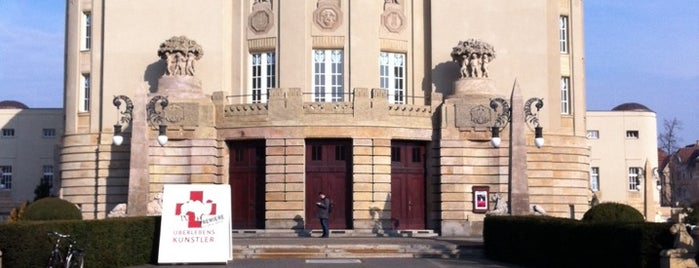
196 224
480 199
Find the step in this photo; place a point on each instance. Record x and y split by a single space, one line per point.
246 233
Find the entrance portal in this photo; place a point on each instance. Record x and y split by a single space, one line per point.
407 185
329 170
247 179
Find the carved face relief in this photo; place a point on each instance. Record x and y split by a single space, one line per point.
260 21
327 18
393 20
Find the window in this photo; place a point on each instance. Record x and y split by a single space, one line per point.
565 95
634 180
593 134
85 93
8 132
316 153
86 41
328 76
5 177
262 76
48 176
563 34
49 132
392 76
632 134
594 179
395 154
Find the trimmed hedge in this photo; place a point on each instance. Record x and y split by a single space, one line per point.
51 208
115 242
538 241
613 212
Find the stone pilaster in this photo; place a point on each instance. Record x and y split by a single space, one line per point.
372 185
284 184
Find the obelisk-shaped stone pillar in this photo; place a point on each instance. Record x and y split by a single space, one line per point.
139 175
519 183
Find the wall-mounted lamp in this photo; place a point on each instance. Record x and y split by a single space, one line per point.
505 117
154 117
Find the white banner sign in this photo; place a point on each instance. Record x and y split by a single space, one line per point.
196 224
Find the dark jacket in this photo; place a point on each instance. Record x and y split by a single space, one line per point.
323 208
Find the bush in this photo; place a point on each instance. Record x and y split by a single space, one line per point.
613 212
51 208
17 213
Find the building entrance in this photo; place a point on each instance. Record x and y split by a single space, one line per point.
329 170
247 179
407 185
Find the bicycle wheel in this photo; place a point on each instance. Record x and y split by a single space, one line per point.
55 260
75 260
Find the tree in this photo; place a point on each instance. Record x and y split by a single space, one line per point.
668 140
42 190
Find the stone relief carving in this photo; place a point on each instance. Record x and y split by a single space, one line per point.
392 17
480 115
155 206
180 53
328 15
473 56
261 18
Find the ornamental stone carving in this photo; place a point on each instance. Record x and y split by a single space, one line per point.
392 17
180 53
261 19
473 56
328 15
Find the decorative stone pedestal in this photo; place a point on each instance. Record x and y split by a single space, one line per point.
678 261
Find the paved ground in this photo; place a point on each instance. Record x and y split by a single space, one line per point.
472 258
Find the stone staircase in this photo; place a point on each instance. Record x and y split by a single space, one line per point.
344 244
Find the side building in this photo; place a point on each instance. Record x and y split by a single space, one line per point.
383 105
29 149
624 158
679 177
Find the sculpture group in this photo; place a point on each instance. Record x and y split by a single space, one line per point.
179 53
473 56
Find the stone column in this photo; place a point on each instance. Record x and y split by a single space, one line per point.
139 176
519 182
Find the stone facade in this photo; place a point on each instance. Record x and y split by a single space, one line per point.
446 113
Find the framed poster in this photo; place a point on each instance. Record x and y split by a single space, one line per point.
480 198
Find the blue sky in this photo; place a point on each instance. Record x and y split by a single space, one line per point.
644 51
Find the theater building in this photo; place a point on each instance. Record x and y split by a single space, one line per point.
383 105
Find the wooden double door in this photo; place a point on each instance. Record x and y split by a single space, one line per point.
408 185
329 170
247 181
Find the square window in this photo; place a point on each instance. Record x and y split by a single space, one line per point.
49 132
593 134
632 134
8 132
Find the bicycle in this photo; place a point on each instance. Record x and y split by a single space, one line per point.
74 256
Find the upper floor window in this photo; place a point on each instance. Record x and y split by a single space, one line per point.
262 76
565 95
594 179
593 134
49 132
563 34
5 177
634 180
48 175
328 78
86 41
84 102
392 76
632 134
8 132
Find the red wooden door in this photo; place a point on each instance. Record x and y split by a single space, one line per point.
328 170
407 185
247 178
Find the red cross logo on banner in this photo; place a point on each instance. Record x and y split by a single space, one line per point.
194 209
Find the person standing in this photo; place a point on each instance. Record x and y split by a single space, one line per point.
323 212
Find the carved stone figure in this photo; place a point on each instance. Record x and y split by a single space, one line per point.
500 206
155 206
328 15
179 53
685 248
473 57
261 19
118 211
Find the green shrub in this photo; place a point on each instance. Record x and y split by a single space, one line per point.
613 212
51 208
